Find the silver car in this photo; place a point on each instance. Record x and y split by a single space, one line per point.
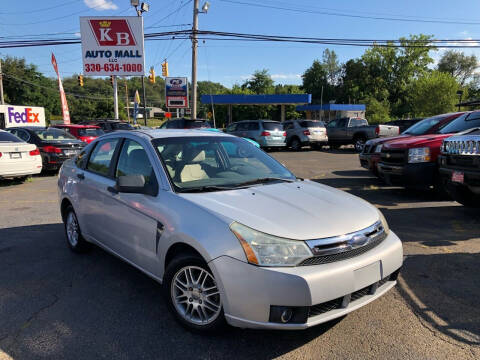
268 133
231 234
305 133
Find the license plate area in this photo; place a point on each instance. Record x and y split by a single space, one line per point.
15 155
458 177
368 275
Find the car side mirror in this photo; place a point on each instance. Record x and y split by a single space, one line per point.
133 184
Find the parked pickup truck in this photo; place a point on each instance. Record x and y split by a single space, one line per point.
460 167
412 162
356 131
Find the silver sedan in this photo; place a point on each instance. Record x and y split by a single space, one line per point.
233 236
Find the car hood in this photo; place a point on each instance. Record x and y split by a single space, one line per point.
300 210
378 141
416 141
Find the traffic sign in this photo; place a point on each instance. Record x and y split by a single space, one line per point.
112 46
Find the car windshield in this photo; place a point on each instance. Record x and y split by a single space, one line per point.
212 163
52 134
90 132
423 126
464 122
122 126
311 124
196 124
272 125
7 137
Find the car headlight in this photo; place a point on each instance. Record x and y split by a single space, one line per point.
419 155
384 222
268 250
378 149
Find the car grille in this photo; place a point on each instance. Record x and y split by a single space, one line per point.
325 259
469 146
357 295
393 156
468 162
368 149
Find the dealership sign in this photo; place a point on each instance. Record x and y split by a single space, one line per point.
112 46
22 115
176 92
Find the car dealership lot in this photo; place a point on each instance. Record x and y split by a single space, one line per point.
56 304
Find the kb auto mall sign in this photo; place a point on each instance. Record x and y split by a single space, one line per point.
112 46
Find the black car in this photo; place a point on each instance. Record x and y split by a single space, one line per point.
185 124
55 145
404 124
109 125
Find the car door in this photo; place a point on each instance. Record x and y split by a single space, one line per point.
134 233
334 130
93 195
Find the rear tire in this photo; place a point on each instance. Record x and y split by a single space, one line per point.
75 240
192 294
295 144
359 143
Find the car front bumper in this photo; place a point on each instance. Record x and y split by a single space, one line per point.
369 161
249 291
419 175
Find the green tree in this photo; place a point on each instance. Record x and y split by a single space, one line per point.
462 67
321 79
434 93
332 66
260 83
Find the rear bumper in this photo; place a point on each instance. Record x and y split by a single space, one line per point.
421 175
249 292
54 162
272 143
13 171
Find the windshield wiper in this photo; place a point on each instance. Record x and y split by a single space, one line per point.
207 188
263 181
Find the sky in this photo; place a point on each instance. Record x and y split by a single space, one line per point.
232 62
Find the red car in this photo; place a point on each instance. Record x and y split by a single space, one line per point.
85 133
412 162
370 155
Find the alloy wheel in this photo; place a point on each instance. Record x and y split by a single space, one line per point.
72 229
195 295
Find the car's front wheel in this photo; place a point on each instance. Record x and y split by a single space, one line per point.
192 294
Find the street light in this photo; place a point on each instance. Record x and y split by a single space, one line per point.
205 8
135 2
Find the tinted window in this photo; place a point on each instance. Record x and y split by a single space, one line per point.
7 137
271 125
357 122
288 126
102 156
196 124
231 127
311 124
242 126
134 160
464 122
253 126
90 132
53 134
121 126
424 126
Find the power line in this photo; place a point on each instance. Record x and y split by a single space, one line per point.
37 10
331 13
169 14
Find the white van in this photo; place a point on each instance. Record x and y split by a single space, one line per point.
20 115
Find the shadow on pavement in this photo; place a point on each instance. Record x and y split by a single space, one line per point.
57 304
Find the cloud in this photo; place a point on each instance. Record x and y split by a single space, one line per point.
468 42
101 4
286 76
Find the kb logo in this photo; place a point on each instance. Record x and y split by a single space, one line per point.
112 32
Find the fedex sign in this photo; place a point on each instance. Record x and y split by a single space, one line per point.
112 46
11 116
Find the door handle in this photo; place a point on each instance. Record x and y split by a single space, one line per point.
112 190
81 176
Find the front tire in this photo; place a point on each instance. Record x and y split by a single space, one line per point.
192 294
75 240
359 143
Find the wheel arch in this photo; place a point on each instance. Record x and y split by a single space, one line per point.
64 206
179 248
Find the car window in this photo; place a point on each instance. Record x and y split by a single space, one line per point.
101 157
288 126
90 132
7 137
21 134
253 126
242 126
272 125
231 127
196 124
357 122
133 160
311 124
215 161
462 123
423 126
81 159
53 134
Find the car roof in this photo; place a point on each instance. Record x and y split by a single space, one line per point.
170 133
76 126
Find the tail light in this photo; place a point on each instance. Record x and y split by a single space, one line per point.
0 154
34 152
284 133
52 149
265 133
306 132
377 130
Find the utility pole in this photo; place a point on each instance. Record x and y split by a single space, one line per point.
194 58
2 100
144 7
126 101
115 96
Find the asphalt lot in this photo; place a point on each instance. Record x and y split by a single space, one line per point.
58 305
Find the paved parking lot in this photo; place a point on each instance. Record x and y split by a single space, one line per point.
58 305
